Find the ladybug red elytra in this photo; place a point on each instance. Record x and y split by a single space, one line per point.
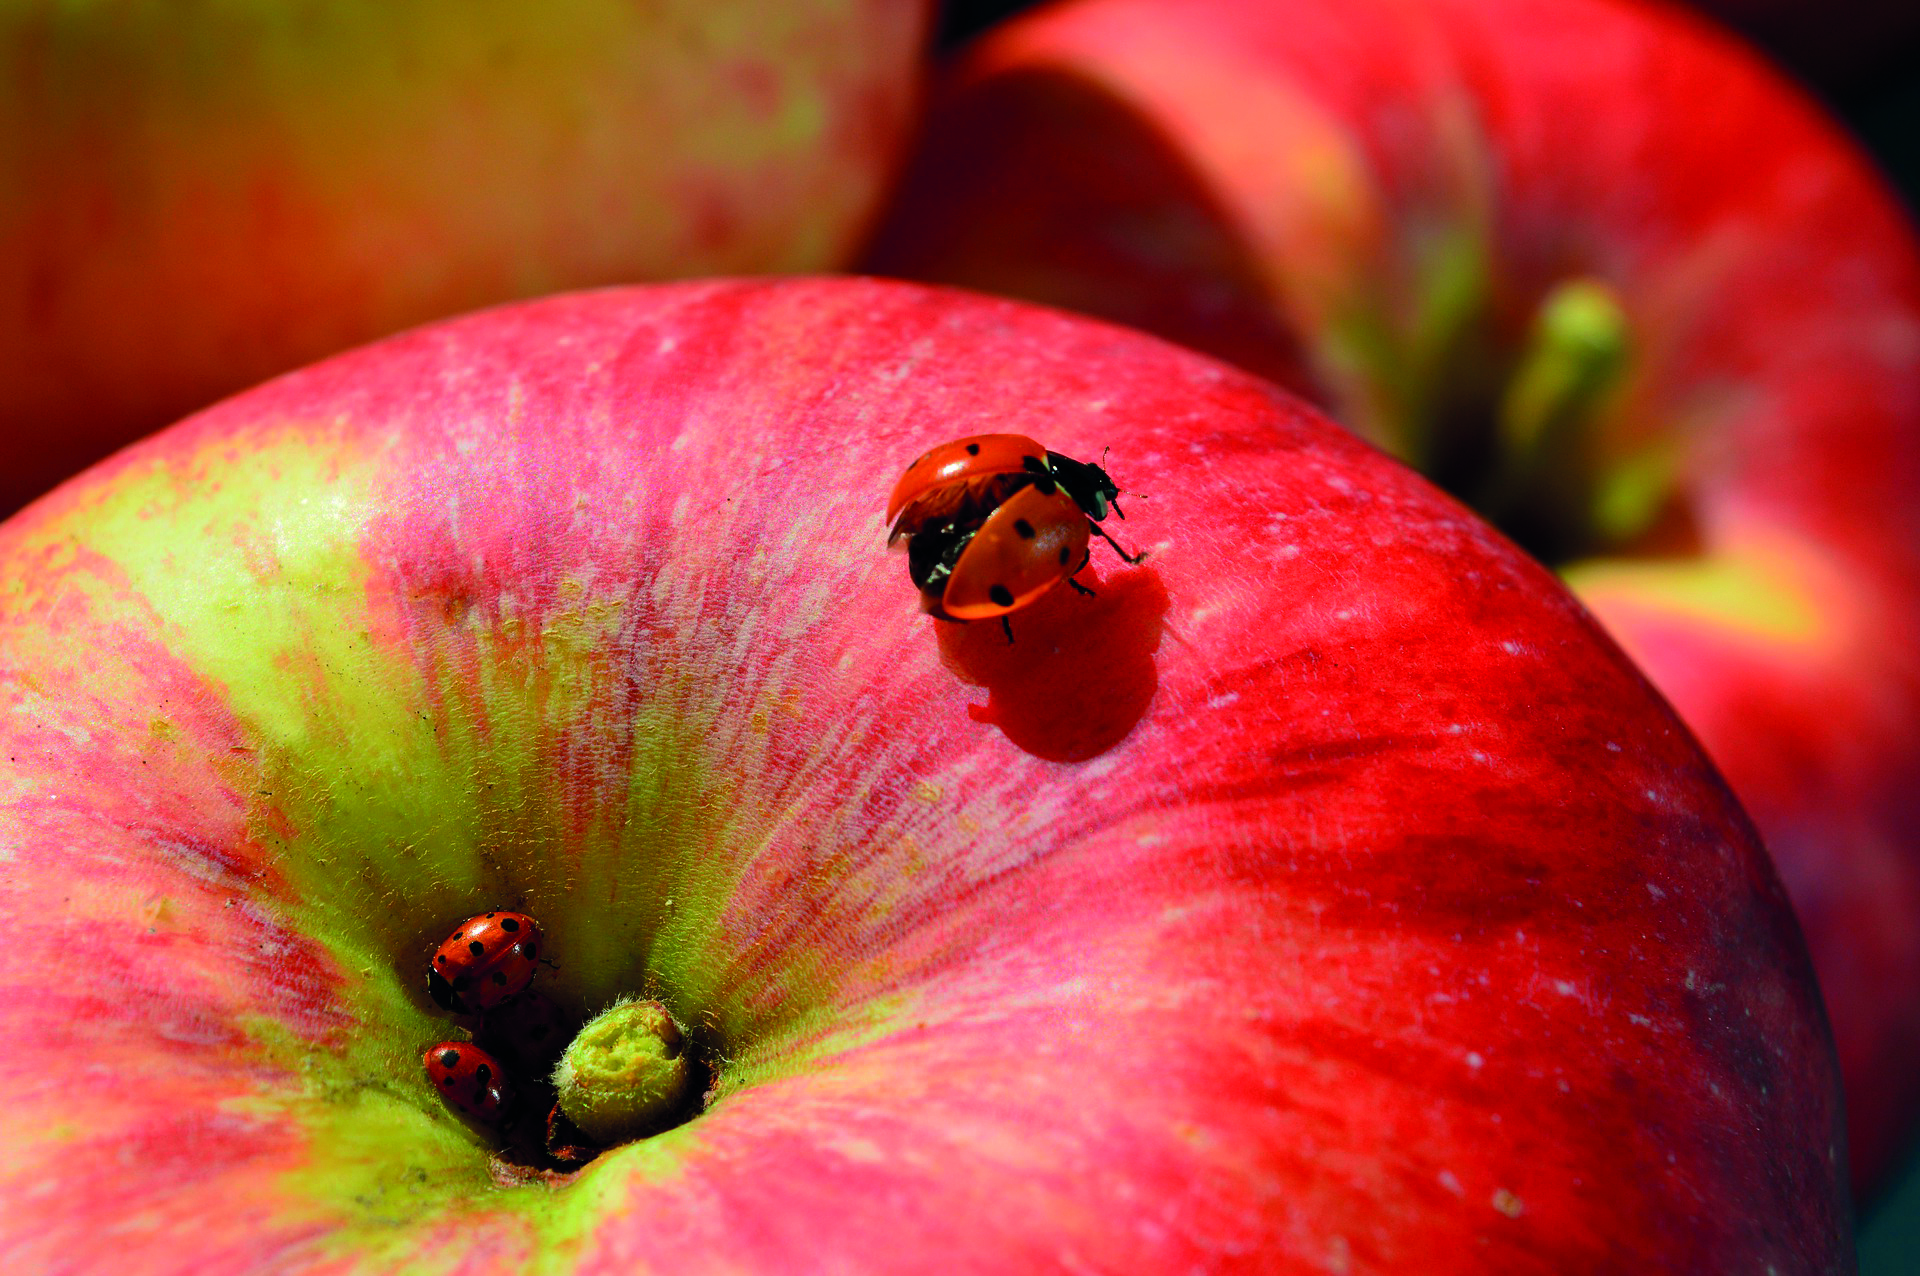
470 1080
993 521
488 959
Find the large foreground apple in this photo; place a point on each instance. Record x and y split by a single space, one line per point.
1326 894
194 196
1666 334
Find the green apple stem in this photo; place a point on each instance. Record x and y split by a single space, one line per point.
625 1072
1544 463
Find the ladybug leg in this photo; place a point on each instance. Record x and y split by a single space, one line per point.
1077 586
1131 558
1008 627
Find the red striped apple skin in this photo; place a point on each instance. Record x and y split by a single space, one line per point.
196 196
1371 199
1328 893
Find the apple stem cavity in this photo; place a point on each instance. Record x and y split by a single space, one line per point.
626 1074
1574 359
1525 435
1552 481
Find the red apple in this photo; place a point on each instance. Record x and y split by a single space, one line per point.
1594 268
1327 893
196 196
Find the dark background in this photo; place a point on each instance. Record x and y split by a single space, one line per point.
1884 112
1876 91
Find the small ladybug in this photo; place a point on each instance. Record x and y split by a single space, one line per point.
487 960
470 1080
995 520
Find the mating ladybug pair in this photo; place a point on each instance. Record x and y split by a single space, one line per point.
994 521
489 960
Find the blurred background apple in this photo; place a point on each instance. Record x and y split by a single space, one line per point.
1851 68
194 196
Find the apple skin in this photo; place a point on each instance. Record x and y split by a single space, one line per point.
1328 893
195 196
1296 187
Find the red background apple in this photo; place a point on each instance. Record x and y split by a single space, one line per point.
196 196
1328 893
1592 265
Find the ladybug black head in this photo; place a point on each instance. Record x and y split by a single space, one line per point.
1089 485
442 992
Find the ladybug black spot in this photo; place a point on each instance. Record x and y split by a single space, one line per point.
449 1058
475 947
462 982
489 914
446 1081
1024 528
973 449
507 923
499 976
1065 553
481 1073
526 950
440 960
1001 595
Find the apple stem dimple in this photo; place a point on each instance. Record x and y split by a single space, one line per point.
625 1073
1576 359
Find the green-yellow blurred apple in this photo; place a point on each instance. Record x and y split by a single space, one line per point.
196 194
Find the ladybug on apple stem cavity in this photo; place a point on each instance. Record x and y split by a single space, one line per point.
994 521
487 960
470 1080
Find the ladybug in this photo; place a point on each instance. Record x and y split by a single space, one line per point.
995 520
470 1080
488 959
